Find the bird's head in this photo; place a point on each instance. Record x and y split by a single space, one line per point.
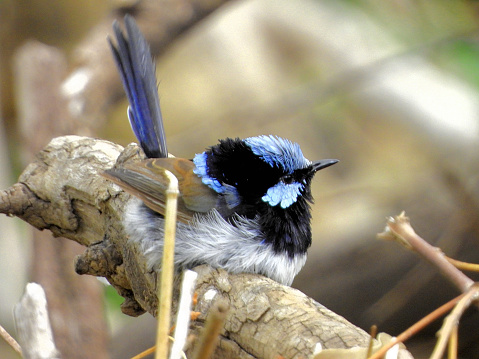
258 170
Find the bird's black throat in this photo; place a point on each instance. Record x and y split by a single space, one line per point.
287 229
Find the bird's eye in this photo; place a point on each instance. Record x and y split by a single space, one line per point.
288 179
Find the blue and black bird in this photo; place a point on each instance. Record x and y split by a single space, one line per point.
244 204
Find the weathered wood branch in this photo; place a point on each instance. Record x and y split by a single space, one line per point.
63 191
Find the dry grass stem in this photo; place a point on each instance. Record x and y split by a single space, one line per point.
452 320
209 337
373 332
471 267
10 340
184 310
167 269
145 353
417 327
453 343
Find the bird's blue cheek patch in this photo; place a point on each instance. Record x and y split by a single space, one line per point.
202 171
230 193
283 194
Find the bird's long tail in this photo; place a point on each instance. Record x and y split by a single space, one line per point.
133 58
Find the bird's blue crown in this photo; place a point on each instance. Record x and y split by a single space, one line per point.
279 152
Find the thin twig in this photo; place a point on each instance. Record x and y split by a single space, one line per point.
471 267
144 353
151 350
167 268
372 332
400 230
10 340
452 320
418 326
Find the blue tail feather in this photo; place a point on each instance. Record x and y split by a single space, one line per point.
133 58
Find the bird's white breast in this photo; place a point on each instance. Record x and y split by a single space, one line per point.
209 239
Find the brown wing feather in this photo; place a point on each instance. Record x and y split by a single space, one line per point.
146 180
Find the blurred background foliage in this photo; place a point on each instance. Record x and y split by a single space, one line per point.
391 88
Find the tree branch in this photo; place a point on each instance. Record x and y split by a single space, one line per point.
62 191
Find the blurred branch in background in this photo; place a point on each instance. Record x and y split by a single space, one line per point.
94 84
75 305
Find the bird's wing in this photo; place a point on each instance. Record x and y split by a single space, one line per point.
147 181
133 59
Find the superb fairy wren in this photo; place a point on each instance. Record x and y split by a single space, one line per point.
243 204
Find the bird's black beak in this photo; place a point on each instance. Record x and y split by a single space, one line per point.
319 165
